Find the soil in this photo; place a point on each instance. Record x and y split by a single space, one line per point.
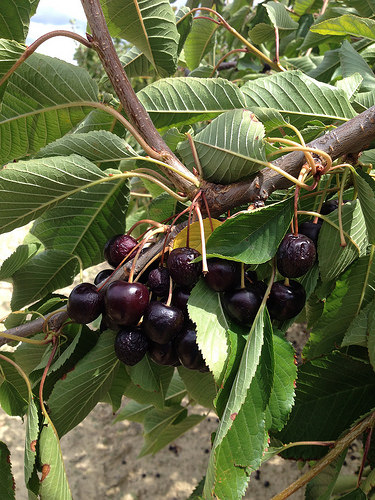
101 457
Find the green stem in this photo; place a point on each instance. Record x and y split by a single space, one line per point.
341 197
20 371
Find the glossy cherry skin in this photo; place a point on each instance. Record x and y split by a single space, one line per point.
188 350
183 271
180 299
158 281
130 345
161 323
242 305
295 255
126 302
102 275
310 230
118 247
222 274
285 302
85 303
329 206
165 354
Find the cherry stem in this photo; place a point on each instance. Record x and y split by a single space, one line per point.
341 195
153 173
234 51
141 245
365 453
32 48
242 275
27 341
195 154
151 261
286 282
44 376
203 240
144 221
296 196
299 147
193 203
169 300
277 46
208 211
168 232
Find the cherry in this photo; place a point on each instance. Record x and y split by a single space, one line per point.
158 281
164 354
242 305
188 350
102 275
107 324
85 303
130 345
118 247
126 302
295 255
183 271
222 274
310 230
180 299
286 301
329 206
161 323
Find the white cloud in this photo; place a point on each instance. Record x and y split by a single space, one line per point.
52 15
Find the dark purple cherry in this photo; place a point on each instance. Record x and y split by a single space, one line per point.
180 299
102 275
188 350
161 323
250 276
165 354
118 247
329 206
126 302
295 255
286 301
85 303
107 324
183 271
130 345
310 230
158 281
242 305
222 274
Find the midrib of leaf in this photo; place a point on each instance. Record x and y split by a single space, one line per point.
144 30
234 153
169 419
365 282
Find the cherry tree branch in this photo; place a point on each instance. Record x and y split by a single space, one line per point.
138 116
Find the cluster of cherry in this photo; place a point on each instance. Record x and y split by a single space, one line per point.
163 327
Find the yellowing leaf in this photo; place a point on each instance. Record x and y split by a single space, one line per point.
195 234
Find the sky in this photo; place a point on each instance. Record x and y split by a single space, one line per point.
57 15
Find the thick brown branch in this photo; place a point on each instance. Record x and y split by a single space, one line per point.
138 116
349 138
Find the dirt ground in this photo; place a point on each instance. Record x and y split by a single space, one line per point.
101 457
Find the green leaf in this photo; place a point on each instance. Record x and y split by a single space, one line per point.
206 311
19 258
164 426
366 194
354 289
44 99
371 335
324 71
342 391
98 146
262 33
15 18
150 25
32 433
11 400
350 84
279 16
282 394
242 436
53 483
333 258
298 98
29 188
356 494
83 223
149 375
10 52
200 40
352 62
200 386
270 118
346 25
357 332
9 373
135 64
322 485
178 101
252 237
44 273
161 207
230 148
7 485
73 398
